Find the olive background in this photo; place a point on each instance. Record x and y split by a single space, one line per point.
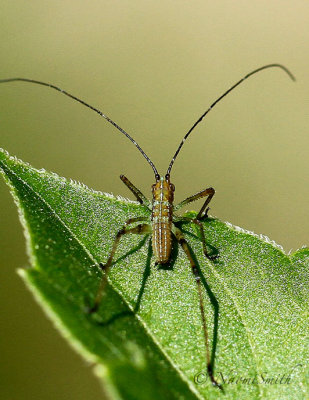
153 67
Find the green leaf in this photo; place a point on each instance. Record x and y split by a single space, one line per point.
146 340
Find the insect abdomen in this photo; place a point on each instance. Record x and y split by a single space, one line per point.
162 215
161 241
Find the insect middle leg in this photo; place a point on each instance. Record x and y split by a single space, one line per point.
184 244
140 229
205 251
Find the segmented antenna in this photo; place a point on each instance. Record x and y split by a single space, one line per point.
217 101
157 176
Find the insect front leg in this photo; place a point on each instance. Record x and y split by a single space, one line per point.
137 193
184 244
209 192
139 230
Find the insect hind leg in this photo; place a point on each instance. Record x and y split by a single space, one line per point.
184 244
140 229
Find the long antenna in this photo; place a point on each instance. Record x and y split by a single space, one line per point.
157 176
217 101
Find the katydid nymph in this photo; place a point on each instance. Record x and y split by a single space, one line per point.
162 218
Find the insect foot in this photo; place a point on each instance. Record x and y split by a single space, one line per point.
213 380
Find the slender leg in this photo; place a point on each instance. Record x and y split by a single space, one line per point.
199 224
139 230
209 192
132 220
202 213
137 193
128 222
182 241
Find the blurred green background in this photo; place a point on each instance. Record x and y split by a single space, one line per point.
153 67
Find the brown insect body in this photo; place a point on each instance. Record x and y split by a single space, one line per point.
162 217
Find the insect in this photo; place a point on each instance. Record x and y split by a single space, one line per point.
163 218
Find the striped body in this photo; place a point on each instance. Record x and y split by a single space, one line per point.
162 216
